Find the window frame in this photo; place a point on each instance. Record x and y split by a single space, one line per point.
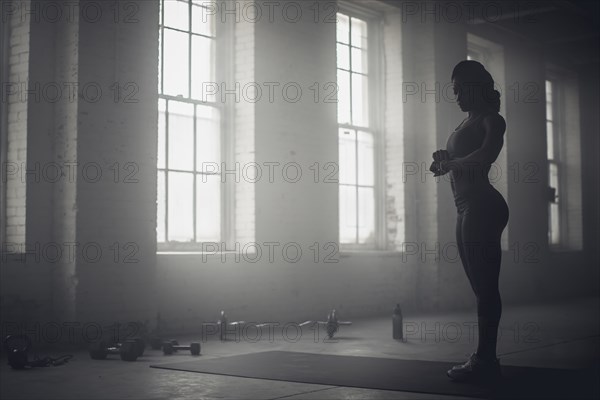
376 93
224 54
558 113
474 48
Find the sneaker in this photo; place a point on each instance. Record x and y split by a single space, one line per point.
475 369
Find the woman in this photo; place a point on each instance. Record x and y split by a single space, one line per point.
482 211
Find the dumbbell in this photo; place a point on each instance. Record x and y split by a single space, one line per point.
169 348
157 343
129 350
112 336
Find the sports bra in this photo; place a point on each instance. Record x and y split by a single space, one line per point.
465 139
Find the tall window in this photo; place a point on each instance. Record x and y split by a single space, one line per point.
552 129
358 141
190 192
474 55
563 140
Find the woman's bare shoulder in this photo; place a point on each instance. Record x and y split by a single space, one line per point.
495 122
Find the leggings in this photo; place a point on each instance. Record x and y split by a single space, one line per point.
482 216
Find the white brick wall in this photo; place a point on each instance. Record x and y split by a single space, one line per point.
18 73
244 132
422 193
114 131
64 192
394 128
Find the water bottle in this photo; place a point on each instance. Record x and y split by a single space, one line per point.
397 323
223 326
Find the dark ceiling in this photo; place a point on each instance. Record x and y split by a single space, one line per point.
566 27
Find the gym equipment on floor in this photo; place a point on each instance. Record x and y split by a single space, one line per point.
332 324
17 348
129 350
170 348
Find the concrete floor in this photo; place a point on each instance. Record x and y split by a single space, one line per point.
562 335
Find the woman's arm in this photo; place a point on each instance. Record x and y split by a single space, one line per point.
493 141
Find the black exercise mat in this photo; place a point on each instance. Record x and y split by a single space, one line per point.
394 374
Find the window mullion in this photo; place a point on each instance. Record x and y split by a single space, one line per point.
356 187
194 184
162 58
376 106
167 171
189 49
215 55
225 55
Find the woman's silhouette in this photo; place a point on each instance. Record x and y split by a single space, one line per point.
482 211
